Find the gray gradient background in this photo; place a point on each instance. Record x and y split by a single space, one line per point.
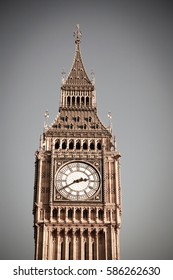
128 44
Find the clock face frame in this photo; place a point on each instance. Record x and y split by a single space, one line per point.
77 180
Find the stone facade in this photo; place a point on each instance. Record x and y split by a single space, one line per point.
77 212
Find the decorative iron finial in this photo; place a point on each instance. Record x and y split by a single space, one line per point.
63 76
46 117
93 78
77 34
110 121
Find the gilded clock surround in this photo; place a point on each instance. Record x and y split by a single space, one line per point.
67 226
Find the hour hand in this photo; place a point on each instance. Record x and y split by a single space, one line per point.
75 181
81 180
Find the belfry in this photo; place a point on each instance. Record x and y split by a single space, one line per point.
77 192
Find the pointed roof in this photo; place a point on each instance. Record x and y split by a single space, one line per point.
77 75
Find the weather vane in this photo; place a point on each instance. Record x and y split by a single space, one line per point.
77 34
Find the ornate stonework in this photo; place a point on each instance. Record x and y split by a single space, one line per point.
77 207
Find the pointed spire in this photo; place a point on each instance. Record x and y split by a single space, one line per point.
77 75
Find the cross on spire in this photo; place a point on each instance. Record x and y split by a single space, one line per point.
77 34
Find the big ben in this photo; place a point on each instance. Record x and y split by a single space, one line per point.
77 192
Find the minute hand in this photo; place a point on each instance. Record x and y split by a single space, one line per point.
68 185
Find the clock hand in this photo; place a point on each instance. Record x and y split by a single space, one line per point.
81 180
68 185
75 181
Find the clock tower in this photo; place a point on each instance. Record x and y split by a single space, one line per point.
77 194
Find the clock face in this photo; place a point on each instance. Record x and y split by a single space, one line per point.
77 181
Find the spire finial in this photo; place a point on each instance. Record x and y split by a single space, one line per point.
93 78
77 34
46 117
63 76
110 121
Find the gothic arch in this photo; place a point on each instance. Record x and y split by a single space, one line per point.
71 145
93 214
85 145
70 214
78 101
57 144
68 101
99 145
92 145
82 101
78 214
73 100
64 144
78 145
62 214
100 214
85 214
55 213
87 101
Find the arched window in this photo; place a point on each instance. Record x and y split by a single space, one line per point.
78 214
85 146
84 126
85 214
57 145
82 101
64 145
70 213
71 145
68 101
89 119
92 146
87 101
100 214
99 146
55 213
73 101
78 145
78 119
93 214
62 214
78 101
